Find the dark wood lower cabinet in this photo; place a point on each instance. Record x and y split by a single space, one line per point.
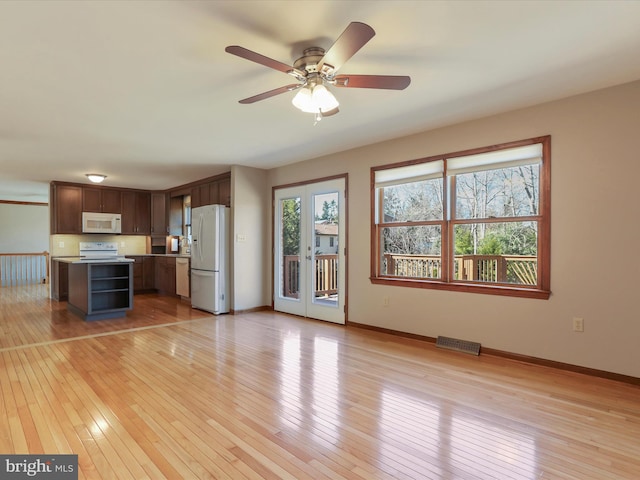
165 273
154 272
59 280
143 273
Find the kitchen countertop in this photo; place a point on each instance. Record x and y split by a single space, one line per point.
174 255
76 259
84 260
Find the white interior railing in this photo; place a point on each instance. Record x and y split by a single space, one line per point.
23 268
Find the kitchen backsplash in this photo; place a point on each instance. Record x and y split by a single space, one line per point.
68 245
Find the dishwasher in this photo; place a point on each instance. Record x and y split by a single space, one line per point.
182 277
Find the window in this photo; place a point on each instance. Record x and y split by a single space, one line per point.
475 221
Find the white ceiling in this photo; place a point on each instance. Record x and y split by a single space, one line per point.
144 92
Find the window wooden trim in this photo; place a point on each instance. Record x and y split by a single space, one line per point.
541 291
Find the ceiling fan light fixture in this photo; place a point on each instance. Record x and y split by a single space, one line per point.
96 177
314 99
303 100
323 99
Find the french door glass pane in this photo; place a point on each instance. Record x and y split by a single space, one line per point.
325 256
290 247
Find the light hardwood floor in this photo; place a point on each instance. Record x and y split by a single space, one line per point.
171 392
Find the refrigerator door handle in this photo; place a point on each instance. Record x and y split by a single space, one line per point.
200 235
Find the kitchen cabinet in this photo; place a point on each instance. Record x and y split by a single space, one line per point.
159 214
216 192
165 275
176 215
102 200
136 213
224 192
100 290
143 273
148 273
66 209
59 280
200 195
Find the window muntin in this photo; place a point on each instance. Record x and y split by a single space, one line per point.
486 226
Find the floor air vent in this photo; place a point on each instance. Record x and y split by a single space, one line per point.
458 345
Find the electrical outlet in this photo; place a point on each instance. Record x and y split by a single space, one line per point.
61 244
385 301
578 324
122 244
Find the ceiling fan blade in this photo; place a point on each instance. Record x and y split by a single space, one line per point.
355 36
271 93
262 60
333 111
388 82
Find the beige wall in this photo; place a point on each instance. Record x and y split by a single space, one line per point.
24 228
249 246
595 235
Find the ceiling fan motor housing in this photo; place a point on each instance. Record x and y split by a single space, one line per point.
309 60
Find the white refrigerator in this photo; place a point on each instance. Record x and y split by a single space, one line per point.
210 259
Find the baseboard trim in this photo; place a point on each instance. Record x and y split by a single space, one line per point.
513 356
263 308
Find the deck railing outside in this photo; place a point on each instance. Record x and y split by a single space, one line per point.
23 268
326 274
325 271
514 269
291 287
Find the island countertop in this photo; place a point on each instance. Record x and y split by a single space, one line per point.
92 260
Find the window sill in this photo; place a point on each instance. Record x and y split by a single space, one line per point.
502 290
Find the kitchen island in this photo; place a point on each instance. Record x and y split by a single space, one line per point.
100 289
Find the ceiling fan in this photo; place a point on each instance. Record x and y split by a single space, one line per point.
317 68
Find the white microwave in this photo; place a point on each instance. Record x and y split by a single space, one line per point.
101 222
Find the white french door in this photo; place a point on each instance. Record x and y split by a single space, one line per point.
309 260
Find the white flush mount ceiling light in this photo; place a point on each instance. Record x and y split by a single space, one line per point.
96 177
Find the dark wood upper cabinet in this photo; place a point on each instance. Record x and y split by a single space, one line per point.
101 200
159 214
176 215
195 197
91 199
66 209
143 212
136 213
217 192
111 201
224 192
214 192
